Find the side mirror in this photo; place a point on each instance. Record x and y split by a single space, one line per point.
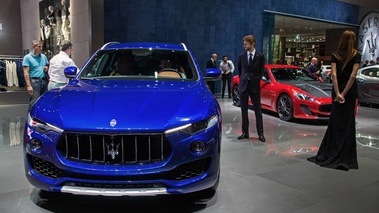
70 72
212 74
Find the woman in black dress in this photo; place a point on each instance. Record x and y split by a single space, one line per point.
338 148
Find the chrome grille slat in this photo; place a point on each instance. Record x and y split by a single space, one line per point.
114 149
90 149
65 136
149 149
162 147
122 145
77 144
103 149
136 148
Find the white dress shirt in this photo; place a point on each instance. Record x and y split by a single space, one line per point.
57 65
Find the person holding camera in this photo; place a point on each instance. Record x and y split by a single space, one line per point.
227 68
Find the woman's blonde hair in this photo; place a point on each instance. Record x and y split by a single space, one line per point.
346 49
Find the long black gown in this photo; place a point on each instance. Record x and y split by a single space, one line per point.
338 147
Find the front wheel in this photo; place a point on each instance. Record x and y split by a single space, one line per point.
285 108
236 96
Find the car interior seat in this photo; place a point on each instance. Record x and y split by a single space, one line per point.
169 73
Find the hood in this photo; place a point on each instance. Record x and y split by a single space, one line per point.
128 105
315 88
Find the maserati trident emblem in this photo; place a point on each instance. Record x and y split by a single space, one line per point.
112 149
113 122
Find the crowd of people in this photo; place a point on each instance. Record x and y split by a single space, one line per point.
370 62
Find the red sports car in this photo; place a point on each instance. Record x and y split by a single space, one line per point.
292 92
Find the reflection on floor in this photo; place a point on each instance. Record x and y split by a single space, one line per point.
255 177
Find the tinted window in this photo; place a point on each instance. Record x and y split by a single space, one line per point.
141 63
372 72
285 74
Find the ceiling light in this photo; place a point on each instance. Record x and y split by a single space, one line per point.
1 26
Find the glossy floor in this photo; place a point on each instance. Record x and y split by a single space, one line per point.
255 177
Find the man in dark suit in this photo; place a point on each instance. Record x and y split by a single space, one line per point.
211 63
313 67
250 71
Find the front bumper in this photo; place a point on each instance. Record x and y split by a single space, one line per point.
182 172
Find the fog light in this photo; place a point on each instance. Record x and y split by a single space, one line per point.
35 144
197 146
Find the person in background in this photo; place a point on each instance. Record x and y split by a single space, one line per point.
250 71
211 63
35 66
168 62
227 69
365 64
313 67
338 147
57 65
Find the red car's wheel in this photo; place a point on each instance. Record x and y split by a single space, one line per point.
285 108
236 96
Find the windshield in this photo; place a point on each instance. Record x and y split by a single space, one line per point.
285 74
140 64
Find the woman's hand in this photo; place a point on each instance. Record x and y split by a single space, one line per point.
340 98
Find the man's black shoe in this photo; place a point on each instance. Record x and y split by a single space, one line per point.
261 138
243 136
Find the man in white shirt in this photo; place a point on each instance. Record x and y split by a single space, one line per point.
57 65
227 69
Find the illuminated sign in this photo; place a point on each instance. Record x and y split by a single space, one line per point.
368 41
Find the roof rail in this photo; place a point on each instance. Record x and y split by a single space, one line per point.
109 43
184 46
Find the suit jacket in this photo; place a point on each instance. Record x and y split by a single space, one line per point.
312 68
210 64
254 73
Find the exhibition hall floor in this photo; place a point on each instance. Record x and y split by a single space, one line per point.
270 177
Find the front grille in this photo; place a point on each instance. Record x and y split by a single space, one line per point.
182 172
113 149
327 108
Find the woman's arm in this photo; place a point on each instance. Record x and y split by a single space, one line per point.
338 97
351 79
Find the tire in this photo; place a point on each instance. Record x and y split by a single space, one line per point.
236 96
285 108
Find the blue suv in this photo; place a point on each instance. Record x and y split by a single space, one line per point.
137 119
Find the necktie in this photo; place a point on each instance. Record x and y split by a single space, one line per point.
250 59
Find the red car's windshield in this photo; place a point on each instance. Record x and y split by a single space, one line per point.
290 74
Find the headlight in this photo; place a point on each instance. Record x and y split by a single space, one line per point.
196 127
42 126
302 96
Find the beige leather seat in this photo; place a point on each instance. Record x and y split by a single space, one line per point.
171 74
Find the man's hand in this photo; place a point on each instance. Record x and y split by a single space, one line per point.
30 89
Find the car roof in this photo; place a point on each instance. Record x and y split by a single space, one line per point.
144 45
368 67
